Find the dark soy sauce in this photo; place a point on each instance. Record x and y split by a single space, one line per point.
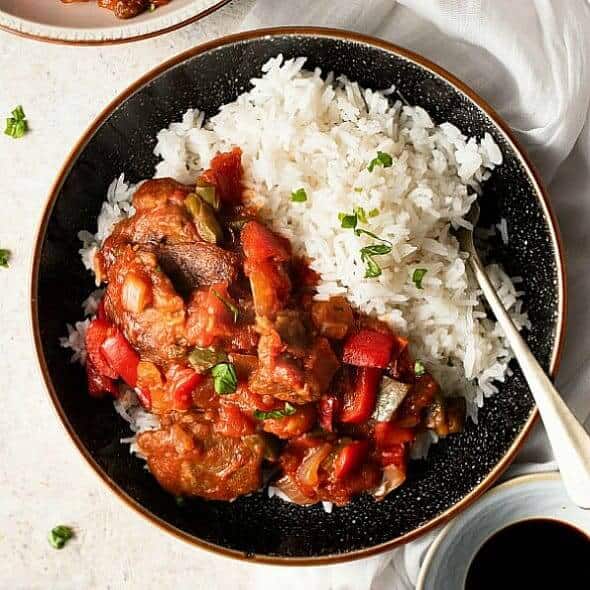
539 554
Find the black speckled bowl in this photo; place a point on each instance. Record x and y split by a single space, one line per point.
458 469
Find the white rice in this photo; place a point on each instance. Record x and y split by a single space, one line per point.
75 340
130 409
299 130
90 304
116 207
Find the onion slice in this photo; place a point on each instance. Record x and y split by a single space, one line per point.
391 395
393 477
307 472
136 293
288 486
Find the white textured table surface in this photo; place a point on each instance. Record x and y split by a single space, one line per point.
43 479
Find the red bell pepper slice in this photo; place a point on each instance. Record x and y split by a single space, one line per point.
225 174
328 411
270 287
184 382
260 244
359 403
368 348
350 458
121 357
98 331
389 435
98 384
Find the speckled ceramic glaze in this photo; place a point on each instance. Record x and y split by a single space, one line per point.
85 23
459 468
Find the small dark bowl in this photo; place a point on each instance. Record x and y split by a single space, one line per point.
459 468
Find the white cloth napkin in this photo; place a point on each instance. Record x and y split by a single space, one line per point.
530 60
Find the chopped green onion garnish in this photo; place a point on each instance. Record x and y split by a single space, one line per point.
299 196
358 189
19 113
372 269
203 359
374 212
152 7
4 257
16 125
348 221
232 308
60 535
417 277
419 369
361 215
376 250
225 379
289 410
382 159
15 129
360 231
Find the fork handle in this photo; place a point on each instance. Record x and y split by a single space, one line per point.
569 441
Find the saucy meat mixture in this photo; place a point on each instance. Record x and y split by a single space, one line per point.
210 317
125 8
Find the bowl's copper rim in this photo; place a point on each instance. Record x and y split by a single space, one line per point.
544 201
91 42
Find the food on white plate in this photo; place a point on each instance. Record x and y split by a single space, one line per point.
125 8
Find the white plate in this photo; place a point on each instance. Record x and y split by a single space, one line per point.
541 495
87 23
